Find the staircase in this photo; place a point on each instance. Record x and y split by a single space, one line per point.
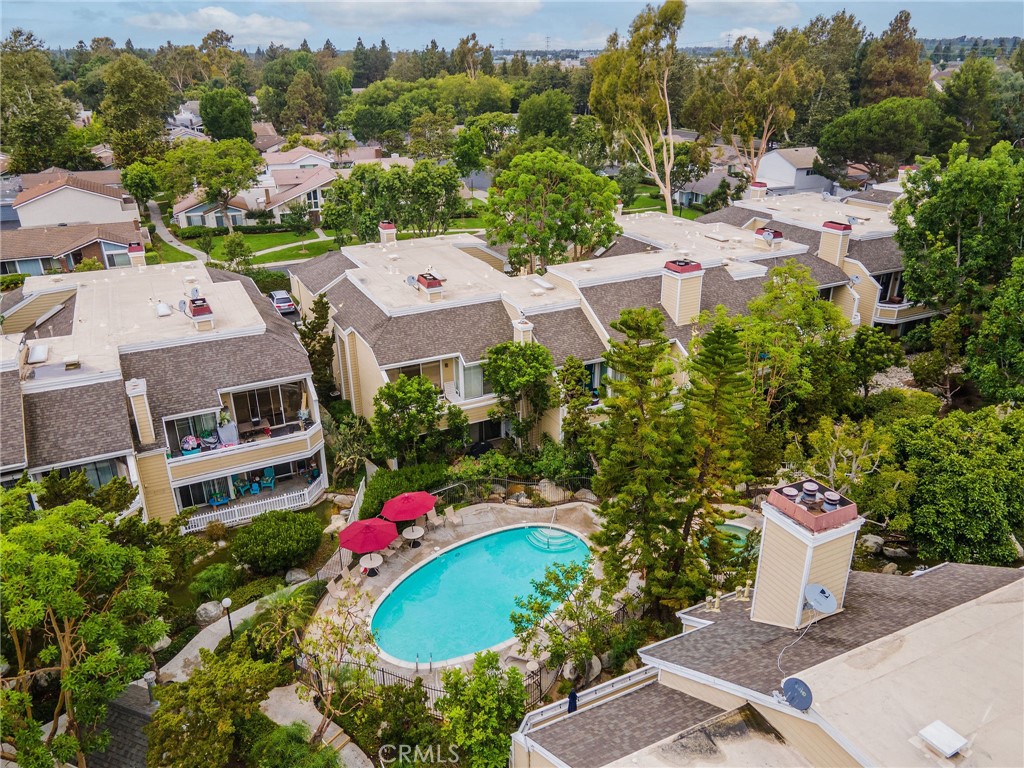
551 539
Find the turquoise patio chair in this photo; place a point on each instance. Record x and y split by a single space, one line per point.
268 480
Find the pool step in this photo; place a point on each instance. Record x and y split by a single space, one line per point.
551 539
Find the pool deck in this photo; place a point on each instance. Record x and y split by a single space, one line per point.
476 520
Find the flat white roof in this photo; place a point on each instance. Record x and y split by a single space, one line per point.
116 312
810 210
964 667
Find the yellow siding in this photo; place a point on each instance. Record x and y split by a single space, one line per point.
843 297
830 565
226 461
551 423
369 376
833 247
867 289
700 691
780 572
817 747
304 296
37 306
477 413
680 296
448 370
904 314
155 485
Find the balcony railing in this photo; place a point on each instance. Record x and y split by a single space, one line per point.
904 310
241 513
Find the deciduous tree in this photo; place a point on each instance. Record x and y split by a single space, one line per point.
139 180
136 100
872 351
296 218
938 368
227 114
520 375
407 415
431 135
545 114
995 354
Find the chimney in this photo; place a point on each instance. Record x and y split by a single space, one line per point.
901 175
767 238
432 284
197 308
388 232
758 190
681 283
522 331
136 391
618 207
835 242
808 538
137 254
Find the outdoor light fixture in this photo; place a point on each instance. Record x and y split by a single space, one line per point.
226 602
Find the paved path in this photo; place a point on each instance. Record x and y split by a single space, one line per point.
167 237
318 239
284 706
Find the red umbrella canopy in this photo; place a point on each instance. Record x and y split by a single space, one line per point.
367 535
408 506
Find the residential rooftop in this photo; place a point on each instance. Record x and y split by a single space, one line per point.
813 209
116 311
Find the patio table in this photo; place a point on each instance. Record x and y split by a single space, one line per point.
413 534
371 562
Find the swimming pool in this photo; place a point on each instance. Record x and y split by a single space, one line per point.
738 532
459 602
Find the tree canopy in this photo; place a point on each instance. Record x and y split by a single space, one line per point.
227 114
893 64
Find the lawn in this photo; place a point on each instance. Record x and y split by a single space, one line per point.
166 254
317 248
257 242
657 203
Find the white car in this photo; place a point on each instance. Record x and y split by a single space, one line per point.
283 302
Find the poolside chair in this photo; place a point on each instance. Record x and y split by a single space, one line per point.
450 516
433 520
268 480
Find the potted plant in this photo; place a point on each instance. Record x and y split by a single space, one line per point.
227 430
189 445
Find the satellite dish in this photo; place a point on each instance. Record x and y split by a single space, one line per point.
797 693
820 599
410 280
768 236
195 293
851 220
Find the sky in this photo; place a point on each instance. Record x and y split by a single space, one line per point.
513 24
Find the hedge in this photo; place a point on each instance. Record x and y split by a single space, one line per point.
190 233
386 484
278 540
12 281
254 590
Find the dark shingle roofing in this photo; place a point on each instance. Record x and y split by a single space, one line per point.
731 214
109 177
879 255
11 299
12 420
883 196
567 332
59 182
467 330
65 425
597 735
60 324
609 299
316 274
625 245
217 364
36 242
744 652
127 716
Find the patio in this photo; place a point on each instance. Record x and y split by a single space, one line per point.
289 493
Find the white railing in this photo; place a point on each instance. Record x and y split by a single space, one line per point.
353 514
134 507
240 514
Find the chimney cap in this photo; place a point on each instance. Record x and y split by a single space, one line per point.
789 500
429 280
759 184
682 266
837 226
908 167
763 231
387 226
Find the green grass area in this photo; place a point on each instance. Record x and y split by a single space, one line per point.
166 254
657 203
258 242
316 248
473 222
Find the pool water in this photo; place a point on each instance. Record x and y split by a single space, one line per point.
459 602
738 533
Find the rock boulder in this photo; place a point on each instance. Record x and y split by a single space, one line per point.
160 644
586 495
870 543
550 492
890 568
207 613
894 552
337 523
295 576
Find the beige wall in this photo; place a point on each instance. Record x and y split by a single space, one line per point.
303 295
74 206
834 246
227 461
368 372
155 485
551 423
38 305
701 691
477 413
844 298
867 289
809 739
680 296
780 572
830 566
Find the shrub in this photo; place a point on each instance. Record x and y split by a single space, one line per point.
151 227
179 641
254 590
386 484
214 582
491 464
892 404
277 540
215 530
174 229
268 280
251 730
191 233
10 282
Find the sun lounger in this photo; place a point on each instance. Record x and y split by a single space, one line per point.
452 517
433 520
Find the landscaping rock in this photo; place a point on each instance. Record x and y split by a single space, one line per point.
207 613
606 660
1016 545
550 492
515 488
632 665
337 523
890 568
495 498
344 501
871 543
295 576
587 495
894 552
221 544
160 644
519 498
498 490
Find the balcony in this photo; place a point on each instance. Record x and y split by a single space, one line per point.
295 494
892 311
283 443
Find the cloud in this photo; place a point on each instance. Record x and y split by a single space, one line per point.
464 13
729 35
773 12
252 29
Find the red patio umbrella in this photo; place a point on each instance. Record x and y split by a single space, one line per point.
408 506
367 535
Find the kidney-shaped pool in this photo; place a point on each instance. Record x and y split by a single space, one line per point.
459 602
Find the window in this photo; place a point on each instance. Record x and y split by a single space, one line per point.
278 404
194 220
98 473
430 371
313 199
198 494
25 266
596 372
118 259
808 172
473 382
237 219
197 426
825 294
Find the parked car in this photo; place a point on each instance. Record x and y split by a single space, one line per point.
283 302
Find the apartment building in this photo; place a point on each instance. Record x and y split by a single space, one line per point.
919 670
35 250
184 380
433 306
72 199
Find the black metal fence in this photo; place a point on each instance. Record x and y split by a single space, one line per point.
524 493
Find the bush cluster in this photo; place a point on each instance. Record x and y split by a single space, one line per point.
214 582
10 282
254 590
278 540
190 233
386 484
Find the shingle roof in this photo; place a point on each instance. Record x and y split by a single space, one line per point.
732 215
111 176
127 716
710 182
317 273
626 245
263 128
608 301
11 299
293 155
265 143
883 196
194 198
744 652
467 330
59 324
12 420
217 364
878 255
36 242
567 332
71 180
597 735
65 425
798 157
320 177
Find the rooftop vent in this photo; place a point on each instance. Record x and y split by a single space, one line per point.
682 266
544 283
942 738
72 363
429 280
38 353
163 310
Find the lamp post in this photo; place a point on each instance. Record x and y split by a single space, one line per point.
226 602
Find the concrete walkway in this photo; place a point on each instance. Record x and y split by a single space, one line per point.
167 237
318 239
284 707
